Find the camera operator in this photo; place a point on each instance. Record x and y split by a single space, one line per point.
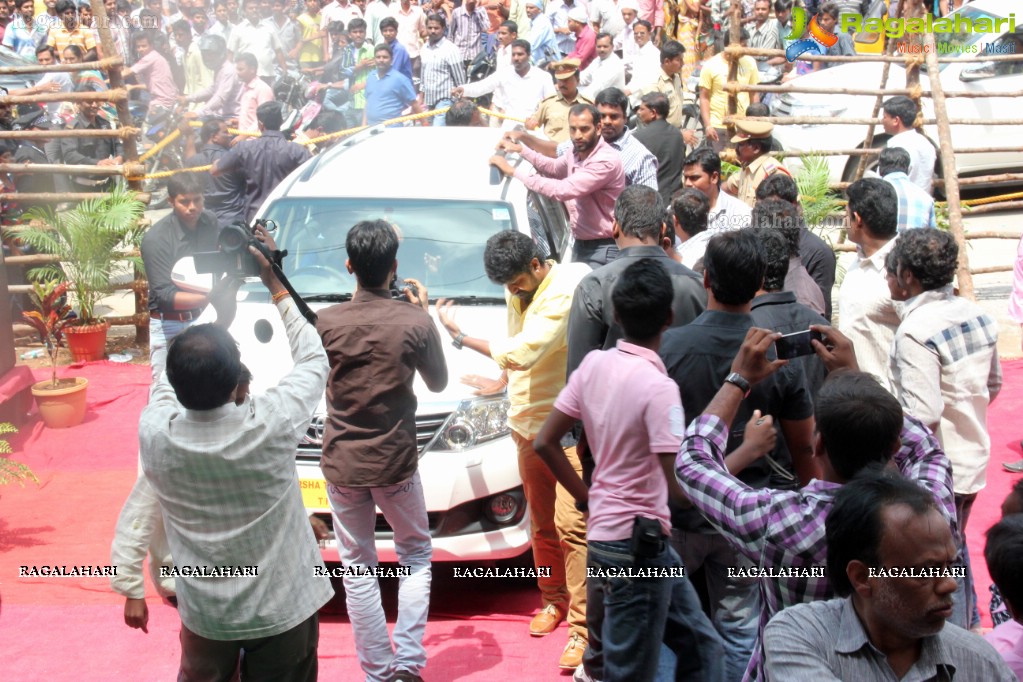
194 439
187 230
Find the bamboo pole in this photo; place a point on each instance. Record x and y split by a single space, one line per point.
126 134
994 234
47 258
985 179
860 58
987 271
78 169
732 58
873 151
102 64
105 96
890 92
59 197
818 120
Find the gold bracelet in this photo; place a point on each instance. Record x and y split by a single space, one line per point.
279 296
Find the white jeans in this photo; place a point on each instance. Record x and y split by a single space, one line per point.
404 508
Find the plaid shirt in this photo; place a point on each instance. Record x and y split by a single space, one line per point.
916 207
784 529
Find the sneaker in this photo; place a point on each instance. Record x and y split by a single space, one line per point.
405 676
580 675
546 621
572 656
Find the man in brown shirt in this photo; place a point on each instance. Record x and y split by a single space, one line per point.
375 346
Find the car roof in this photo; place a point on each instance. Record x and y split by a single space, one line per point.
410 163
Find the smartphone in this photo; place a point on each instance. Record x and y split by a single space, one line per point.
796 344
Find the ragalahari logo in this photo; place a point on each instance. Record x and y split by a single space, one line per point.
817 43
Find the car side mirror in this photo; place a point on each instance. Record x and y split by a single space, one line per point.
978 73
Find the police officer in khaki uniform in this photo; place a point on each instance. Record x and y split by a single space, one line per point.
752 143
552 114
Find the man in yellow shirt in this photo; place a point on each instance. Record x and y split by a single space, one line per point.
310 54
534 358
714 97
70 33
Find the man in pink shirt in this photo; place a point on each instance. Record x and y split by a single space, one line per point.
255 91
585 38
592 175
633 419
153 71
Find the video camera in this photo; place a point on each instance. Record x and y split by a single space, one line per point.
232 256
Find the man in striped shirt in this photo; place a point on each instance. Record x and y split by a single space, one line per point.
442 67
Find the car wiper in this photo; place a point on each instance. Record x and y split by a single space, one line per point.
475 300
330 298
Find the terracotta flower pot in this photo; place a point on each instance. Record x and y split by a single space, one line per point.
87 342
62 406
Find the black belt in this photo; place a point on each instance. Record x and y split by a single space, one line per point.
176 315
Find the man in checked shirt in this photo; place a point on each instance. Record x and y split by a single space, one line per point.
858 423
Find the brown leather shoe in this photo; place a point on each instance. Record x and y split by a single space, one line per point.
572 656
546 621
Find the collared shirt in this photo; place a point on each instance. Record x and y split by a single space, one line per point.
780 311
1007 639
728 213
24 39
250 96
713 78
594 182
585 47
691 251
260 40
518 96
264 161
921 157
552 115
350 58
155 72
400 60
826 640
916 207
744 183
467 30
535 352
197 76
591 324
387 96
223 96
667 146
442 70
375 346
335 11
89 150
225 480
781 529
764 37
375 12
631 412
601 74
645 67
411 26
945 369
650 10
224 194
557 11
167 242
59 38
672 88
290 35
639 164
868 315
606 15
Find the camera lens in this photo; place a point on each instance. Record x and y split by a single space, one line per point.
233 238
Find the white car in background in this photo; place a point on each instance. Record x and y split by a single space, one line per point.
434 184
972 76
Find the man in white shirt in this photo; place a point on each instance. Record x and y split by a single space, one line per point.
259 40
644 66
897 117
702 170
866 312
625 41
253 535
517 90
606 17
606 71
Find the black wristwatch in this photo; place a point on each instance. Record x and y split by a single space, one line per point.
457 341
739 381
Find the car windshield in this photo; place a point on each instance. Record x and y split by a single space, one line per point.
960 43
442 242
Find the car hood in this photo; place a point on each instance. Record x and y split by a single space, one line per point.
270 360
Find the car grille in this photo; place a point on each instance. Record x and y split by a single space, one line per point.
427 426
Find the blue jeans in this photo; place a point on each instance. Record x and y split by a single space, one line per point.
161 333
964 599
440 104
629 618
355 516
734 602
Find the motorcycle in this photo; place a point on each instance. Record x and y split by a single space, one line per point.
155 125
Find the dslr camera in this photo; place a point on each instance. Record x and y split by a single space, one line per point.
232 256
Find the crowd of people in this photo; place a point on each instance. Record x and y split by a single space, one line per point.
818 504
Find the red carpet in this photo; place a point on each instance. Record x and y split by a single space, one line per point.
72 628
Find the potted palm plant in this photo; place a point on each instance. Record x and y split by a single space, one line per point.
61 401
88 240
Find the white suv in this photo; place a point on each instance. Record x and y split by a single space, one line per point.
434 185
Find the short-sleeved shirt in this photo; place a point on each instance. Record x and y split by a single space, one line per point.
713 78
631 412
375 345
261 41
552 115
59 38
386 97
250 96
312 49
744 183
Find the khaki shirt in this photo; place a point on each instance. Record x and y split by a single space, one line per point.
552 115
744 183
673 90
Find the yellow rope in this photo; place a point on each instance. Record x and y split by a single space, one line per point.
991 200
160 145
498 114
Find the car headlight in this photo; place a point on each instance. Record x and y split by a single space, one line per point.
475 421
